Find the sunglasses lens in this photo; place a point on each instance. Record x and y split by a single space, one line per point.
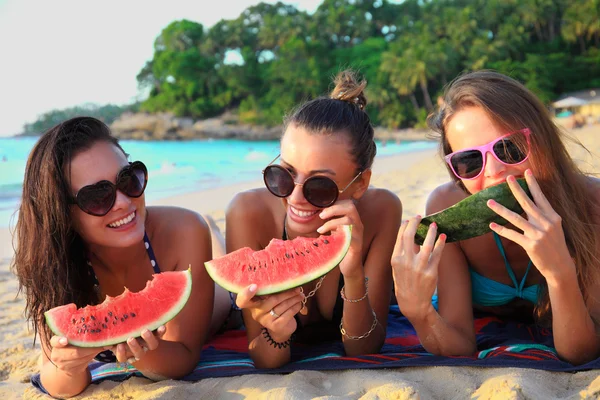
513 149
97 199
132 180
320 191
467 164
278 180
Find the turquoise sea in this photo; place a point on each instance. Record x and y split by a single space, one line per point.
174 167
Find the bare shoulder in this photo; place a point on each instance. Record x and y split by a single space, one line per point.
253 203
379 205
444 196
175 223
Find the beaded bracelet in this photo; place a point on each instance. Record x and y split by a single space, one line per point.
272 342
364 335
343 293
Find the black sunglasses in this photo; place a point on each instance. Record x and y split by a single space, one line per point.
98 199
320 191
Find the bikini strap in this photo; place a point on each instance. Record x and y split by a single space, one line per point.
151 254
518 286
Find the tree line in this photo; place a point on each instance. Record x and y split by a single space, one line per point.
274 56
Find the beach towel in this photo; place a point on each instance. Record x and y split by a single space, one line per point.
500 344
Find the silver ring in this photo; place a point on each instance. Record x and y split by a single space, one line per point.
131 360
274 314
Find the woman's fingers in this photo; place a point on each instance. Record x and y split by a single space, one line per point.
409 235
509 215
245 298
273 300
428 244
333 224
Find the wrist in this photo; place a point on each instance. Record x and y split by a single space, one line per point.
559 277
418 313
356 277
274 336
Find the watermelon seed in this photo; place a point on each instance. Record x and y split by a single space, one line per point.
307 250
78 330
92 317
74 320
104 326
326 241
84 326
133 315
122 319
315 244
125 316
287 255
82 319
105 319
110 313
114 322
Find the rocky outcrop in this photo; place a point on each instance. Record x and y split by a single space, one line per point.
164 126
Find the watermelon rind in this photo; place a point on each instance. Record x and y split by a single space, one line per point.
471 217
163 319
334 260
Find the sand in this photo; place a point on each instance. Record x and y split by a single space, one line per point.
412 177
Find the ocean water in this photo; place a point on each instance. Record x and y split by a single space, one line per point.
174 167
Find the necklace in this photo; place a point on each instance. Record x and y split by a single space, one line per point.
319 283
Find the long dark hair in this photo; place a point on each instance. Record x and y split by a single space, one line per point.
512 106
50 259
342 112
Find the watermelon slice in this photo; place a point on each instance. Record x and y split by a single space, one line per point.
283 264
118 318
471 217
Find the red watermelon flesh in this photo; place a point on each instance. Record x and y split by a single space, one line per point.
118 318
283 264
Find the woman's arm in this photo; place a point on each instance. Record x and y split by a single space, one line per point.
449 331
246 217
358 318
179 348
575 334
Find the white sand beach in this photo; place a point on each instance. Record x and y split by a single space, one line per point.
412 177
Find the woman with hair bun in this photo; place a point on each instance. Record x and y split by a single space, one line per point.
319 182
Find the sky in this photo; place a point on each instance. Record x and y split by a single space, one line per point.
56 54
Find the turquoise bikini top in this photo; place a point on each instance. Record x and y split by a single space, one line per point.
489 293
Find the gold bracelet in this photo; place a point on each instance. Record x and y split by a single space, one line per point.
344 333
343 293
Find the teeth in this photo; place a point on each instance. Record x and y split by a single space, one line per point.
123 221
303 214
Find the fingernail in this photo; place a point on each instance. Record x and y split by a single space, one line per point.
162 328
511 178
491 202
63 340
320 229
145 332
443 237
434 225
322 215
493 225
252 288
528 172
130 340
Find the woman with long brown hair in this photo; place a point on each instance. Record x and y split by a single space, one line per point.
543 264
320 182
84 233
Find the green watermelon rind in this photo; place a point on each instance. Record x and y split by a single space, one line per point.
471 217
166 317
276 288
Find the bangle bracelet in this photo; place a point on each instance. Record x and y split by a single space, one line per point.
272 342
343 293
344 333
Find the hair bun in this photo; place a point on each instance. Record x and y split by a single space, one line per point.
348 88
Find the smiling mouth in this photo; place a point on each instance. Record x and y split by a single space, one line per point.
122 221
303 214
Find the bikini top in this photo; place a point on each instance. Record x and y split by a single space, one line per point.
489 293
108 356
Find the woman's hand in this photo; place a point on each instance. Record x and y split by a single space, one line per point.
543 238
415 271
275 312
347 214
71 359
134 349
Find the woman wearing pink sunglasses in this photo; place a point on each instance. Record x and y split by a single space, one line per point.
543 264
319 182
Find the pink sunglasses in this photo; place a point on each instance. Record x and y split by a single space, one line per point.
510 149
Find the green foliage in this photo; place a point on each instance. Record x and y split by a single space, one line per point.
274 56
107 113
